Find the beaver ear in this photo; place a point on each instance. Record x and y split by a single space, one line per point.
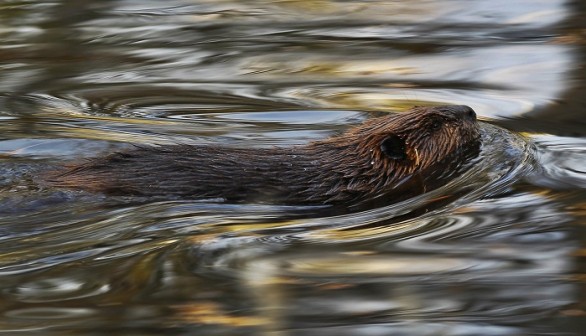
394 147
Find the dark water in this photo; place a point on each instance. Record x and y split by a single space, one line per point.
502 253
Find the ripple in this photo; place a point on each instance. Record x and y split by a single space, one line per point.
57 289
418 328
563 162
403 96
348 265
50 313
51 148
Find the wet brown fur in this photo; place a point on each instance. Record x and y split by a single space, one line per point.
351 167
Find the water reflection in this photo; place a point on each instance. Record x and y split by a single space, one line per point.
311 54
485 269
563 161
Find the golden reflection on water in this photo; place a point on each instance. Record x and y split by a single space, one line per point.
347 265
211 313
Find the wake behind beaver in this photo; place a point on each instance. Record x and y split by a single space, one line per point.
391 157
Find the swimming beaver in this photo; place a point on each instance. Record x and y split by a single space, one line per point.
394 157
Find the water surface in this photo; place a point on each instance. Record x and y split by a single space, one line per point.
497 252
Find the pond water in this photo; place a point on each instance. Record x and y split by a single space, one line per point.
501 252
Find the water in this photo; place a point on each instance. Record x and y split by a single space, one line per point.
497 252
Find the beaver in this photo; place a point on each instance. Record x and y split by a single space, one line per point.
394 157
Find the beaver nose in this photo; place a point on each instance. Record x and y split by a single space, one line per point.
462 111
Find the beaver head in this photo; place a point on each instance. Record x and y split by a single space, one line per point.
427 142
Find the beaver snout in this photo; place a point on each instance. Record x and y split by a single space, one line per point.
460 111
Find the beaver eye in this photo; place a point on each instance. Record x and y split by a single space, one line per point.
394 147
435 124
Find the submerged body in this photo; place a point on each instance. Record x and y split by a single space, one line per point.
394 157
